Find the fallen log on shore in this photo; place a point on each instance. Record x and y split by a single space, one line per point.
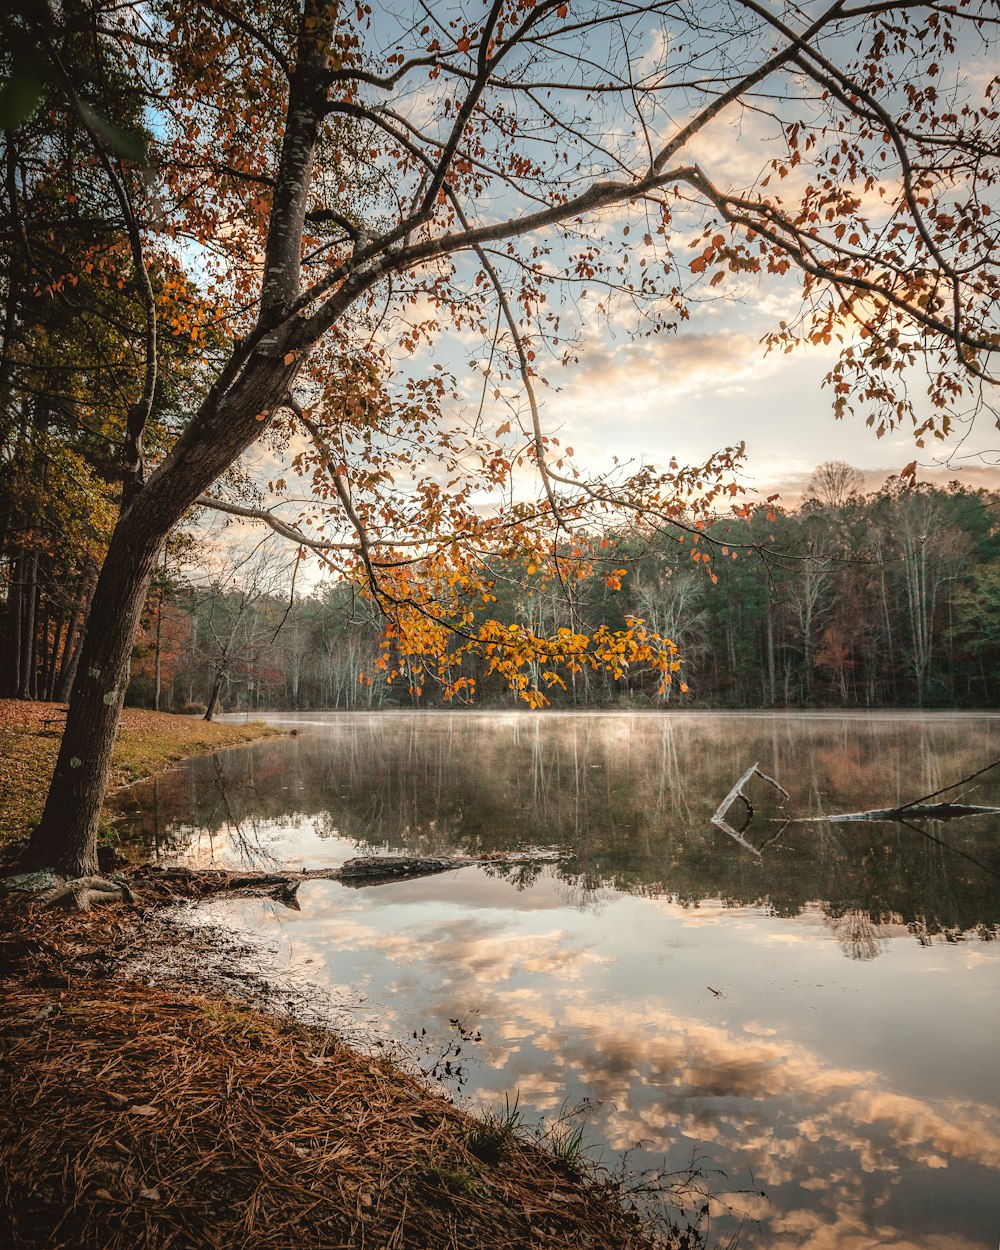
282 885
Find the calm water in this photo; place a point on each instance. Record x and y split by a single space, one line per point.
823 1019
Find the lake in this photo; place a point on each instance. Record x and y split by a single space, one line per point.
815 1025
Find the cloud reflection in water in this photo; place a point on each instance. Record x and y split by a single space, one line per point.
572 1009
862 1091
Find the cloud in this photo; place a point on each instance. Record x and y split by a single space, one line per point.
646 385
837 1146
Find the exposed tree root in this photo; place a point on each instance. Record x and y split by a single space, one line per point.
83 893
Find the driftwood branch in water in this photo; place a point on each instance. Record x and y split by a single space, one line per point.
912 811
738 792
917 809
913 803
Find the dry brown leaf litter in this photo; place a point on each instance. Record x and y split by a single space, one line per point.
145 1116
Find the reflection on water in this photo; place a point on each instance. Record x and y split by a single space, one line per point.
698 997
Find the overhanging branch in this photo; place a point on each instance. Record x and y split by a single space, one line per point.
276 523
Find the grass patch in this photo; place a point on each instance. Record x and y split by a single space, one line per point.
564 1140
147 742
495 1133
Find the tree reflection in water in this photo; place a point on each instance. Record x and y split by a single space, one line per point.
694 994
630 798
858 934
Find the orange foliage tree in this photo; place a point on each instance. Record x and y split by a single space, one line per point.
350 186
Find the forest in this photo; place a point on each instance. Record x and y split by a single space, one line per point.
884 599
321 270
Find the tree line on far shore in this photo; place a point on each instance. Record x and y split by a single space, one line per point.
886 599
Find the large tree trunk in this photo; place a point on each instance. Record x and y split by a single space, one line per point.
66 839
236 412
213 698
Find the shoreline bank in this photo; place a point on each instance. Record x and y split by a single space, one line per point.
147 743
141 1113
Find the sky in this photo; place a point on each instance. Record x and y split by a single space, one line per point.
711 384
690 393
686 395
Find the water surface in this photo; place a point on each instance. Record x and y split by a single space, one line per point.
818 1022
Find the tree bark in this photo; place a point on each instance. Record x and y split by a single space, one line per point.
158 676
53 655
213 698
27 627
42 653
66 838
14 617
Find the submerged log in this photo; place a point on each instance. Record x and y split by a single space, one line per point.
365 870
924 811
376 869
